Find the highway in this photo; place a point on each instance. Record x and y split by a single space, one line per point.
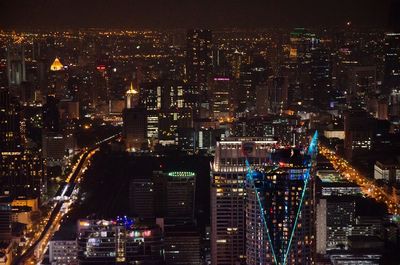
368 186
63 196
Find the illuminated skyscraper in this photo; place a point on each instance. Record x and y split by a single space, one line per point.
198 65
228 205
221 88
58 80
134 118
21 171
278 231
131 98
166 109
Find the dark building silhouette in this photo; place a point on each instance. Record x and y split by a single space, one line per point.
5 218
51 115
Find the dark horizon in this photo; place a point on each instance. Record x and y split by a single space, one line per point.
163 14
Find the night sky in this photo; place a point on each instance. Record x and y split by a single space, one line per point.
193 13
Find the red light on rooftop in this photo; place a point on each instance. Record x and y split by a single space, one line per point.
101 67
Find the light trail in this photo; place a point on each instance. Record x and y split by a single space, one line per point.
368 187
36 251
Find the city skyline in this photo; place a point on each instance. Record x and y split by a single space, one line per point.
199 133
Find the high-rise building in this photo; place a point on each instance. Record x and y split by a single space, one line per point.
63 247
321 77
387 170
335 217
179 189
198 65
392 62
10 123
252 76
51 115
182 246
134 121
5 218
16 68
53 144
359 129
302 41
21 170
221 89
277 98
141 197
361 81
119 241
58 81
166 109
228 219
280 211
164 194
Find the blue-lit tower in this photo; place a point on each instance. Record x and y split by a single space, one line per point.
280 209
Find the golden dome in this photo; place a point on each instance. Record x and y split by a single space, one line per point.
56 65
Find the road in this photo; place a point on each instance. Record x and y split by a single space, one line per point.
368 186
63 196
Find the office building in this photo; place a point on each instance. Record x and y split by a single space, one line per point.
63 252
10 123
53 144
277 98
182 246
361 82
198 66
228 219
165 194
21 170
392 62
5 218
141 197
134 122
221 96
359 129
252 76
51 115
179 189
321 76
338 215
16 65
387 170
63 246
